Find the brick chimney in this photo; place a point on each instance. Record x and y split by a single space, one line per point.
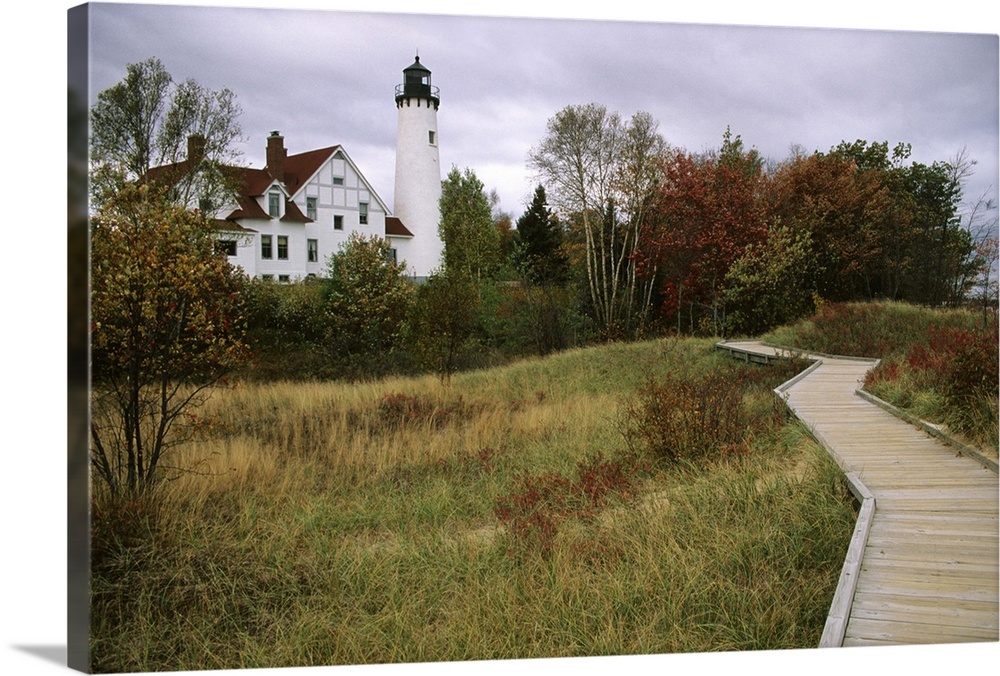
195 148
276 156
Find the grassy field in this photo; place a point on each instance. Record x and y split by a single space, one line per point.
514 513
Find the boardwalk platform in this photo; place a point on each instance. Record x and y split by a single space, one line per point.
923 565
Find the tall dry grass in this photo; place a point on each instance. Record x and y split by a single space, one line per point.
324 523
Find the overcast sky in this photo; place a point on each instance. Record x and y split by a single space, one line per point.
325 77
322 82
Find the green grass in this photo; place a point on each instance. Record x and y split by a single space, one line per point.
324 527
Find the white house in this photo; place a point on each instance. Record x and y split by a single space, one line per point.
293 214
297 211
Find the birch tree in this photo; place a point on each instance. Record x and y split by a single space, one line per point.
597 171
147 120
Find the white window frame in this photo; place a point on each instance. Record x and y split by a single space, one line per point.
274 203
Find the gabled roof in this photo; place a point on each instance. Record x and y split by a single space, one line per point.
172 174
293 214
255 181
248 208
300 168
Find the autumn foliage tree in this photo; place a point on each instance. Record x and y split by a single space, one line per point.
708 210
879 227
165 327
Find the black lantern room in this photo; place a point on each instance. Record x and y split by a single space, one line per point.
417 85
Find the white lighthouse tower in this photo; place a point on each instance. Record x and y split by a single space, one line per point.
418 170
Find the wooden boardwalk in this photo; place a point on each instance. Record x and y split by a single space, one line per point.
923 565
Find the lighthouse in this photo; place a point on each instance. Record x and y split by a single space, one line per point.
418 170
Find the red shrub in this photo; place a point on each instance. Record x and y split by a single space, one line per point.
532 513
973 367
538 506
687 418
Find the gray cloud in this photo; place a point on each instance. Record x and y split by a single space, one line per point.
324 77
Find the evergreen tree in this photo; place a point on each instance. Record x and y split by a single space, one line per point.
539 254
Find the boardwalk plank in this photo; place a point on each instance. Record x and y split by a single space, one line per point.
913 632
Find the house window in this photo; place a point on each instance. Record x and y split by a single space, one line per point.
267 278
282 247
226 246
432 137
274 204
338 180
363 216
392 255
338 222
283 278
311 207
265 247
312 249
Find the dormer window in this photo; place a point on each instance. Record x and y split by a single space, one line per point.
274 204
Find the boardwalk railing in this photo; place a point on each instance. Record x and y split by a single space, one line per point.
840 608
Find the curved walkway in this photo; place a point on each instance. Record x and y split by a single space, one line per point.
924 567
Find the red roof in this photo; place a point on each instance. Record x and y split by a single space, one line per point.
300 168
249 208
395 228
253 183
293 214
